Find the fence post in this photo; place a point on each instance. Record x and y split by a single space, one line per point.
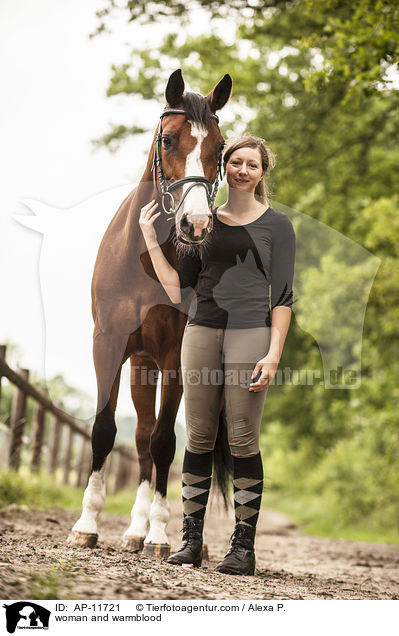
54 443
68 454
109 470
38 426
17 423
134 471
129 473
83 468
3 350
81 462
120 479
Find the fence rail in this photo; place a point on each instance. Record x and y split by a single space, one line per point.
57 434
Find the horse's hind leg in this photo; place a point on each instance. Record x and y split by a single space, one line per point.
108 360
143 389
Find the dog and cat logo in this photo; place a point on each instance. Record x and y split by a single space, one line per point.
26 615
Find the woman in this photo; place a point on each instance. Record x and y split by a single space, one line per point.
235 332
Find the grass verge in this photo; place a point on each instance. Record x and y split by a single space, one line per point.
42 491
320 517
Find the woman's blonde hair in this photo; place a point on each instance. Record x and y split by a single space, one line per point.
268 159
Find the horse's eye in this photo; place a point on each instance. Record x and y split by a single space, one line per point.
166 141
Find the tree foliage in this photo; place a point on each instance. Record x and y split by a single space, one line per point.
357 40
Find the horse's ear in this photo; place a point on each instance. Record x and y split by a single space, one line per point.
174 89
220 94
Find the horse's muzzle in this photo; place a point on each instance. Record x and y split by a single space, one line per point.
194 228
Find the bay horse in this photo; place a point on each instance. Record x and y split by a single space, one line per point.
133 316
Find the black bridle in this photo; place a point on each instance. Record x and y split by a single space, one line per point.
166 187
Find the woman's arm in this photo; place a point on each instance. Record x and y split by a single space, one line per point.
167 275
281 318
282 273
267 366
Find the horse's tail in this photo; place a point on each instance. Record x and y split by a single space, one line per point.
222 458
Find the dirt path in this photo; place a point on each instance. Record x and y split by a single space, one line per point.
35 563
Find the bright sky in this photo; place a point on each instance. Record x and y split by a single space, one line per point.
54 80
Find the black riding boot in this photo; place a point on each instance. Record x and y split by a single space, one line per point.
190 552
240 559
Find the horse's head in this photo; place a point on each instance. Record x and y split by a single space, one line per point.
187 156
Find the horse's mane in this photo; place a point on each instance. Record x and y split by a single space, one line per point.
197 108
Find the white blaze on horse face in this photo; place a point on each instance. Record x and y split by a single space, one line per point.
196 202
140 514
93 503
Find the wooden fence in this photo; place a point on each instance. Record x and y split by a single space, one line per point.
57 437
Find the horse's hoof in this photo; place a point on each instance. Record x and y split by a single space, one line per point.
134 544
160 550
82 540
205 554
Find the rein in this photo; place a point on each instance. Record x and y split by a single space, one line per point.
166 188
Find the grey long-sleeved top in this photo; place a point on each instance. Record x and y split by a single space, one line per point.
233 269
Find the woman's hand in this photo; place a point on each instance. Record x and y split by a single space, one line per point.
146 222
267 368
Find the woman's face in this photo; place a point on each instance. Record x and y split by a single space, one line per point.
244 169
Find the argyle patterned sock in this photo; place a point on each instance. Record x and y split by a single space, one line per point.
248 487
197 475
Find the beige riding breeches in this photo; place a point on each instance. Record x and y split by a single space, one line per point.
214 360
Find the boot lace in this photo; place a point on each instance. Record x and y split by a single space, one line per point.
190 533
239 544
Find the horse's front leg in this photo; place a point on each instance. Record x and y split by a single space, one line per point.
84 532
143 389
163 446
108 356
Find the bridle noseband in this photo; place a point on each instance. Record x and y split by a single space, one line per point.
166 187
